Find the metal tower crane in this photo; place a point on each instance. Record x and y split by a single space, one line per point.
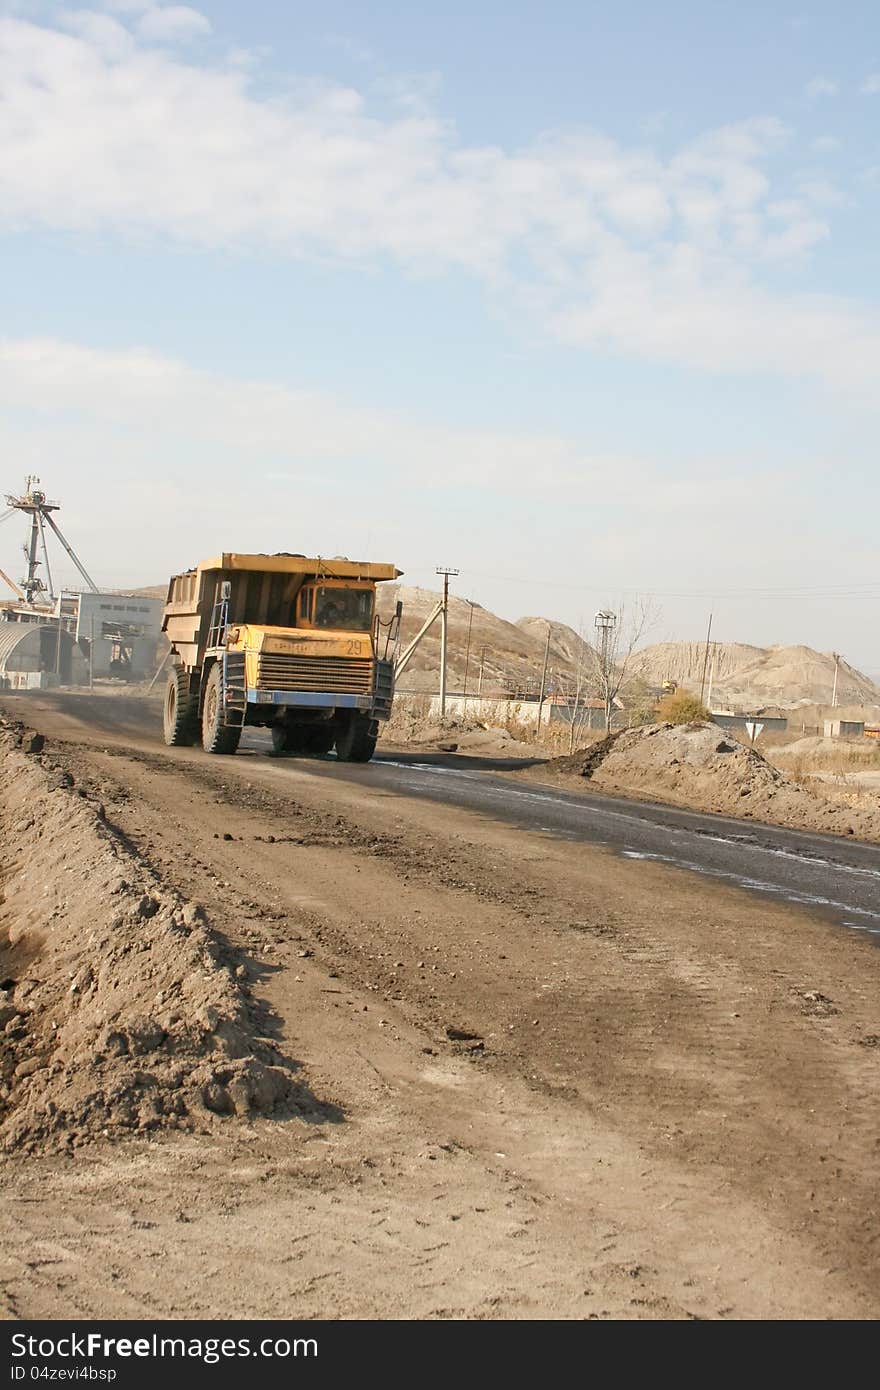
35 504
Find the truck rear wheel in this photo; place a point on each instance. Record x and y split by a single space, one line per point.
181 713
217 735
356 740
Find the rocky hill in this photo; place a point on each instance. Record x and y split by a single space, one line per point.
511 655
748 677
568 650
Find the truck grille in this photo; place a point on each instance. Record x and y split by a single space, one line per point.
338 675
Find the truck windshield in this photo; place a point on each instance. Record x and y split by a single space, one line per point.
348 609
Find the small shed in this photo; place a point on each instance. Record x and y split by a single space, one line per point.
844 728
39 654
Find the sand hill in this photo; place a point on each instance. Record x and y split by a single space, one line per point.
568 650
511 654
746 677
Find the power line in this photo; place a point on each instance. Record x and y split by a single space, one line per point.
870 589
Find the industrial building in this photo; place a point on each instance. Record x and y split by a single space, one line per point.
121 631
71 637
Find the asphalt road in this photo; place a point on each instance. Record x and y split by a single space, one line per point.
838 877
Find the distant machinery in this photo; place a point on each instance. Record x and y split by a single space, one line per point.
35 504
87 633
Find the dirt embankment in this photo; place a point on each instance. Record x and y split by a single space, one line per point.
119 1010
701 767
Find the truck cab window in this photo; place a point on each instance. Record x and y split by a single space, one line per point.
350 610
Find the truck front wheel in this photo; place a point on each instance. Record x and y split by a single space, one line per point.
217 735
181 713
356 740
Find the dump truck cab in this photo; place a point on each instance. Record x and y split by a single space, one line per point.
287 642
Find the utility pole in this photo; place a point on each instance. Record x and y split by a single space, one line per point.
480 677
159 670
444 633
544 676
836 656
711 676
705 659
604 623
91 651
467 656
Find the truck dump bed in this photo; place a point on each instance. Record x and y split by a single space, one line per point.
263 591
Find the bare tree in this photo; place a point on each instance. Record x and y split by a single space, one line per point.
575 687
618 634
575 698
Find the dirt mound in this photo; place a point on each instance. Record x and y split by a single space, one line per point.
700 766
119 1012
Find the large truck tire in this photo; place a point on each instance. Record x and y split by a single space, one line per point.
180 719
356 740
217 736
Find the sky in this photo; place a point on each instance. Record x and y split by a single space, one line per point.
582 300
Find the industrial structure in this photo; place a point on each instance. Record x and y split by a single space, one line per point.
67 637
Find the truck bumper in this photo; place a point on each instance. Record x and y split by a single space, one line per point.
313 699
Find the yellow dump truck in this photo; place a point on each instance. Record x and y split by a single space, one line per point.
283 641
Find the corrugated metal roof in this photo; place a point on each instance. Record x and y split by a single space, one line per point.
11 635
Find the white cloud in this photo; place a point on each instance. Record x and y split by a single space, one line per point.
197 462
281 431
871 85
101 132
825 144
728 325
172 24
100 31
821 87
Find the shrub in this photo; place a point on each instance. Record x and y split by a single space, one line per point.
682 708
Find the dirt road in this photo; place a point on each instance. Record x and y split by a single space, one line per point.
548 1081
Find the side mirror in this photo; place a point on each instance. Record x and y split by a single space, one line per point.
399 609
226 590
